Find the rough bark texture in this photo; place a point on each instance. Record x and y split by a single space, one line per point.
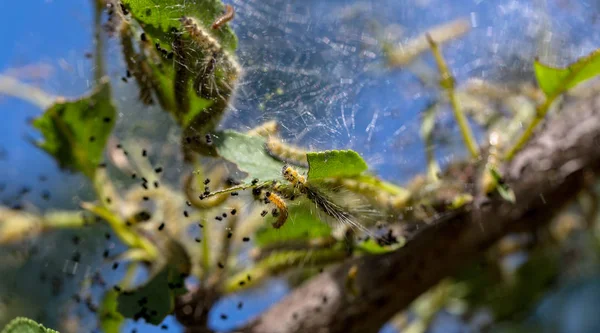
545 176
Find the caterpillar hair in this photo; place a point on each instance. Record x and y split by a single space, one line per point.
286 153
291 175
324 203
200 36
281 208
265 129
375 195
228 16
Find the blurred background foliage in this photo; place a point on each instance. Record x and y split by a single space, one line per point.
318 68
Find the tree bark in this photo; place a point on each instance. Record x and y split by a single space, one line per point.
549 172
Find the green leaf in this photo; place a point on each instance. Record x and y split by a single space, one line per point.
555 81
25 325
301 225
249 154
335 163
75 132
372 247
110 319
156 295
503 189
159 17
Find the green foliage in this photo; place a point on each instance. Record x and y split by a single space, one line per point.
555 81
301 225
335 163
159 17
75 132
372 247
25 325
156 295
248 153
110 319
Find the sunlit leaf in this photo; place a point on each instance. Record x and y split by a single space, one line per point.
75 132
154 300
335 163
301 225
554 81
248 153
24 325
110 319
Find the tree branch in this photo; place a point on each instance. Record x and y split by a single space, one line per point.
545 176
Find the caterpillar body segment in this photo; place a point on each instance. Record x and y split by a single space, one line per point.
221 20
286 153
264 130
281 208
373 193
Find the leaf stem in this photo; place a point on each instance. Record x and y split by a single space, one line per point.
447 82
541 111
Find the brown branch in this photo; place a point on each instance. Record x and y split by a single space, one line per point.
545 176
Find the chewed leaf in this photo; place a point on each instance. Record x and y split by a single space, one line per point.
158 297
335 163
24 325
555 81
159 17
301 225
110 319
75 132
249 154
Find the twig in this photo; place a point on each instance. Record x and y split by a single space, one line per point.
447 81
13 87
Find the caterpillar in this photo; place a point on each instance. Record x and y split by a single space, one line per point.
215 73
286 153
267 195
372 193
228 16
281 208
214 58
324 203
200 36
265 129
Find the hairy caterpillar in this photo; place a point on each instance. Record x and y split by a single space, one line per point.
269 196
265 129
374 194
215 72
281 207
228 16
324 203
286 153
215 63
